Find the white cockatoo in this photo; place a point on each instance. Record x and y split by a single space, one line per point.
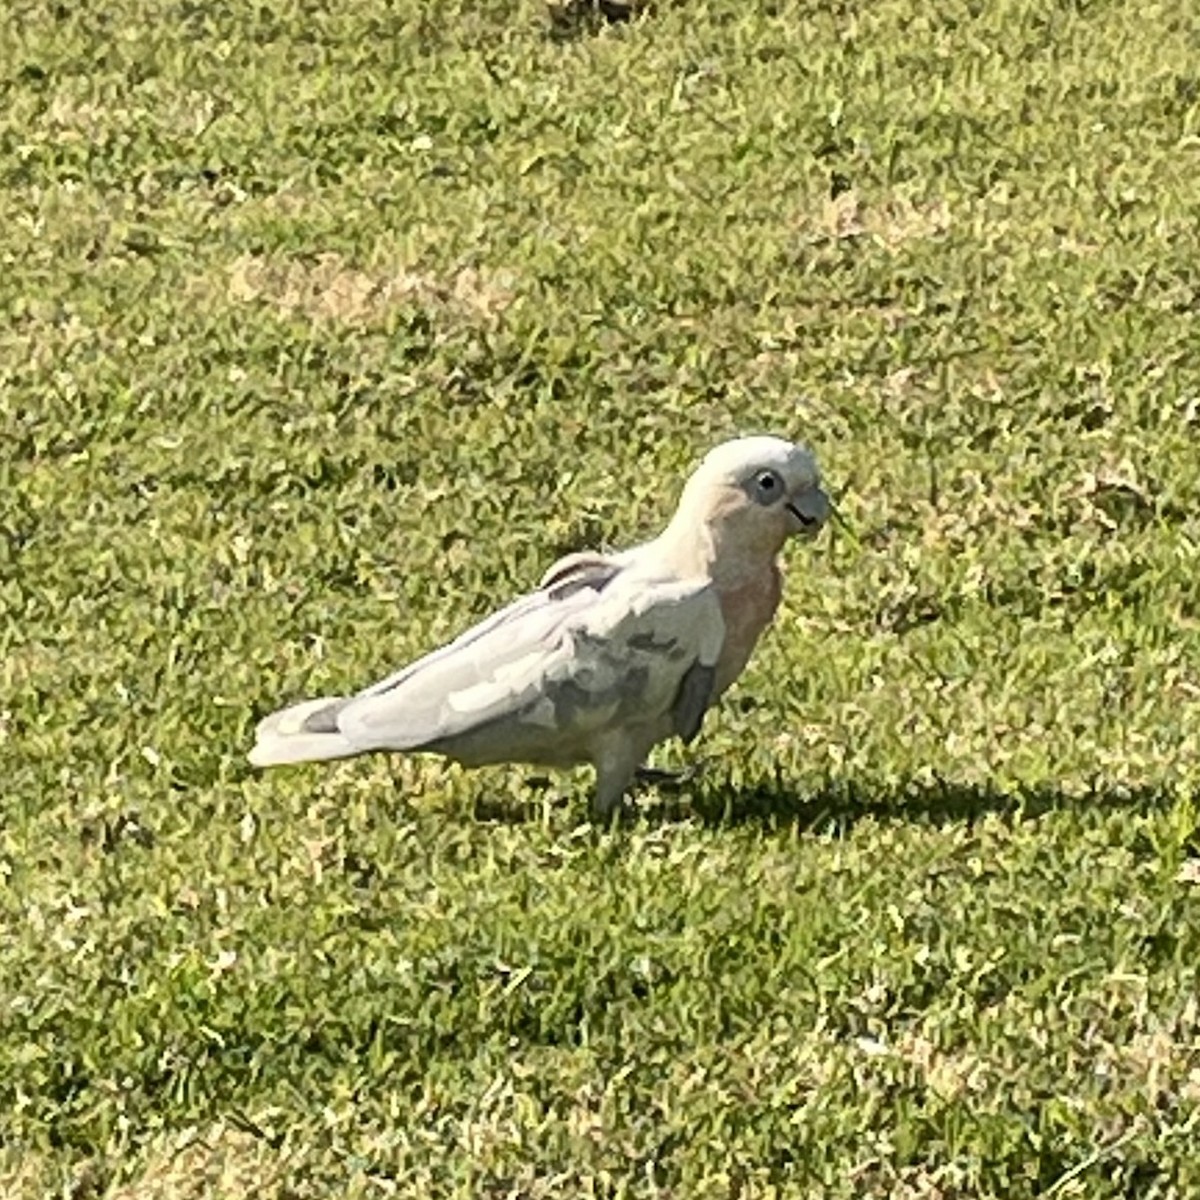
611 654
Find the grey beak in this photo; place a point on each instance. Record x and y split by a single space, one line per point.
811 509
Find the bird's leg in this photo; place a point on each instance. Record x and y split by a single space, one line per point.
616 764
606 799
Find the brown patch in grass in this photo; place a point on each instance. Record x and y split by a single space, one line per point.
1161 1058
22 1175
1189 871
890 224
75 118
73 115
880 1180
326 288
1154 1058
221 1164
1112 496
948 1075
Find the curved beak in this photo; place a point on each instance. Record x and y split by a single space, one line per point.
809 511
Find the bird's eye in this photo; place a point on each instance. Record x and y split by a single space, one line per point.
769 486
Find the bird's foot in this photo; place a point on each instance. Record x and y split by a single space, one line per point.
622 813
669 780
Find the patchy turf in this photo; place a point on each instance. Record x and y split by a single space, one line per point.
329 326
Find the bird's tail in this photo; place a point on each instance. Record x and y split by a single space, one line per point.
305 732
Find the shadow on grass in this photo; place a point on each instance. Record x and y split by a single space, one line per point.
837 807
577 19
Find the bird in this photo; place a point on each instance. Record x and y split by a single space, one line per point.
610 654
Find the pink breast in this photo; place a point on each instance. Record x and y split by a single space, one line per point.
747 609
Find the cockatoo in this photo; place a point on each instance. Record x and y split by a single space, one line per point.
608 656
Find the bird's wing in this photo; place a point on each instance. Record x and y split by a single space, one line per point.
576 575
600 645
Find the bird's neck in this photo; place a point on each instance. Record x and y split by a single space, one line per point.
715 551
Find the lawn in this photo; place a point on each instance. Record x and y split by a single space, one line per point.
329 325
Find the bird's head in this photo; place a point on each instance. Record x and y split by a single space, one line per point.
748 496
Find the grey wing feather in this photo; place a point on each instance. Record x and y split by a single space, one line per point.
694 697
324 720
575 570
415 705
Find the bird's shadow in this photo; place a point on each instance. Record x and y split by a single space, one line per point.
835 807
838 806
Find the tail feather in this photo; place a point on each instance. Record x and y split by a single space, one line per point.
304 732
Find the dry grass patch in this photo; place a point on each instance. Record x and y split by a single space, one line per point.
219 1164
949 1075
23 1175
890 224
1189 871
327 288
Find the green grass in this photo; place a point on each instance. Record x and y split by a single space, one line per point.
328 326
